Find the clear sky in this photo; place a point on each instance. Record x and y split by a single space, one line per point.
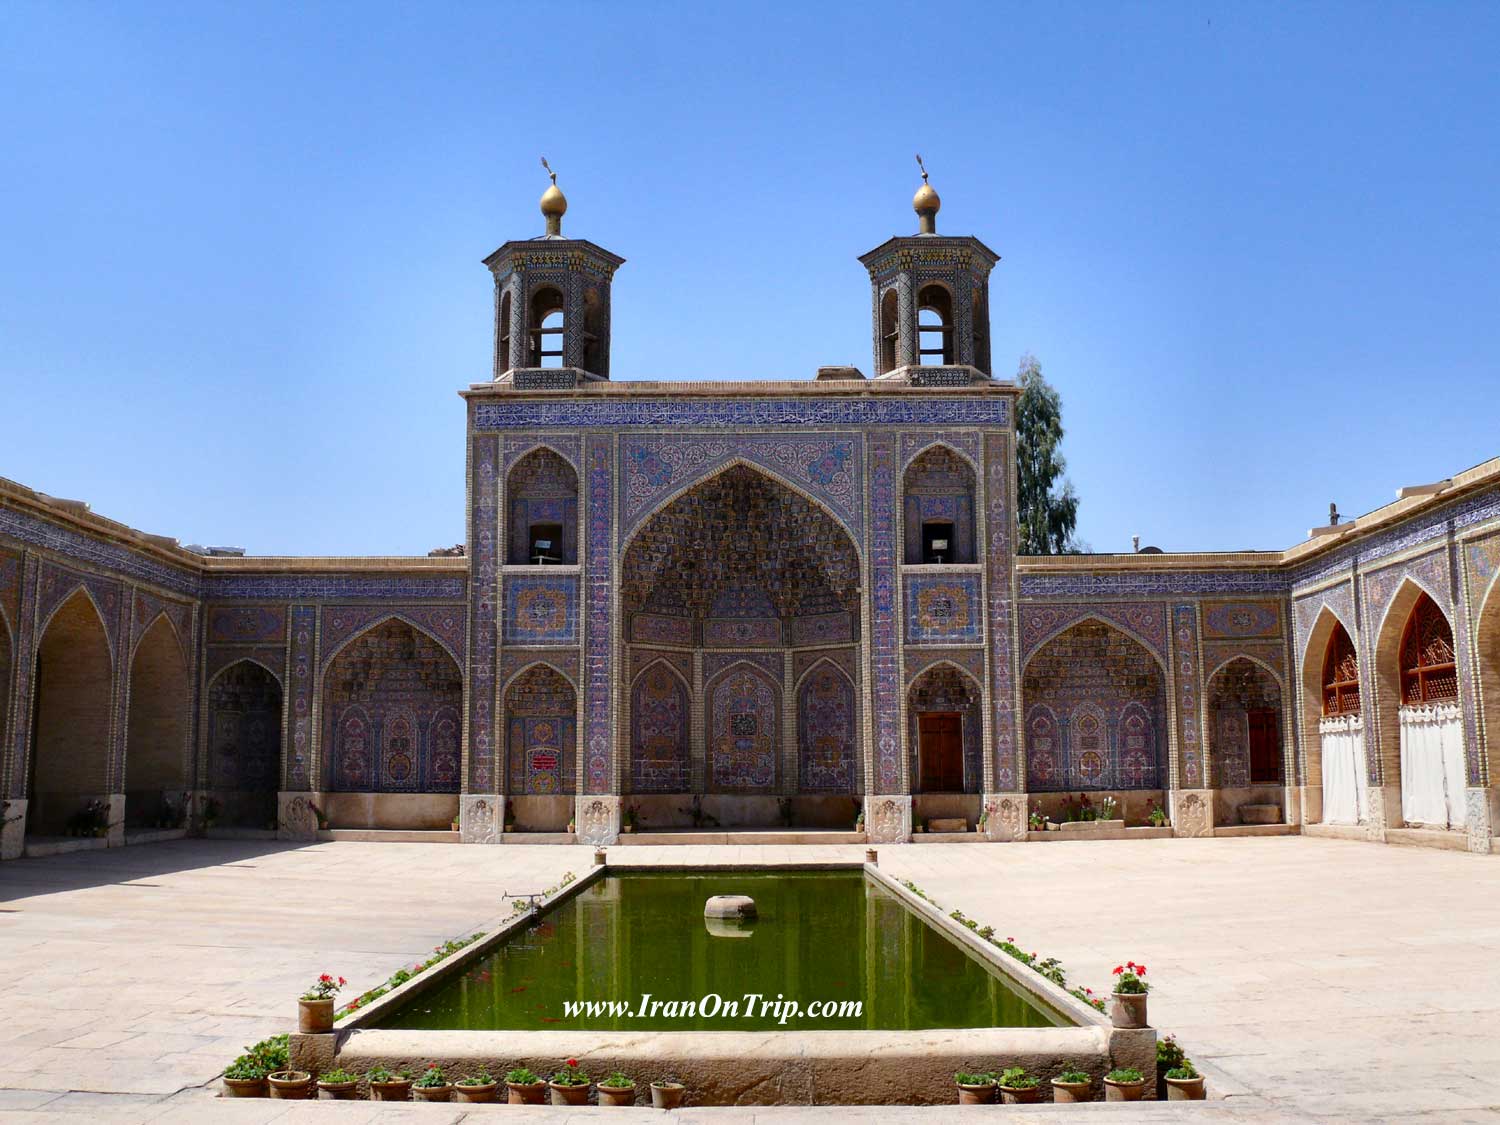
1255 246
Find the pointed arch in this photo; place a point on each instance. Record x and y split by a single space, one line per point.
381 691
939 492
243 714
1246 729
739 461
1487 663
326 659
943 703
541 724
1097 619
827 730
1426 762
1097 663
1329 647
743 719
157 751
7 671
541 505
183 643
660 729
539 662
71 715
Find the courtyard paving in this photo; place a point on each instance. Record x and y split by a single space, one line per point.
1315 979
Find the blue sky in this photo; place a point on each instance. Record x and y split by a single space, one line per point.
1253 245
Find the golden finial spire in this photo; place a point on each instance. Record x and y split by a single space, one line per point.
926 203
554 203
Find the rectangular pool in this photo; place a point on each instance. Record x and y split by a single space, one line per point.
639 941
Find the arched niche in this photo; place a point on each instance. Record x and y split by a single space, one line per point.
70 718
541 496
244 714
827 731
157 755
660 729
541 726
743 717
938 508
945 720
391 704
1099 696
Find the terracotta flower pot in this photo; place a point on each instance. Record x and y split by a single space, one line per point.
397 1090
474 1094
668 1095
340 1091
1071 1093
1124 1091
570 1095
975 1095
1128 1010
616 1095
525 1093
291 1085
315 1016
244 1087
432 1093
1185 1089
1020 1095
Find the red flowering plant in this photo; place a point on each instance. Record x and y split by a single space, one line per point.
1130 979
570 1075
325 988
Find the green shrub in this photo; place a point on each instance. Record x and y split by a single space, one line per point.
432 1077
1125 1074
523 1076
1186 1070
617 1081
480 1077
338 1075
1016 1078
964 1078
246 1067
1072 1075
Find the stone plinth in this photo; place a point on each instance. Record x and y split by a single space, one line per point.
1192 813
1005 816
888 819
481 818
597 820
13 829
295 818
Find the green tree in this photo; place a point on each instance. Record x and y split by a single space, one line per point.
1046 511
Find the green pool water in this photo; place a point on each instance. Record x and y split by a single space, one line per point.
821 936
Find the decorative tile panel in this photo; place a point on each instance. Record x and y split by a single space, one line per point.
541 610
1147 621
883 639
246 624
609 413
1189 741
1000 559
484 552
1241 619
943 608
444 623
599 648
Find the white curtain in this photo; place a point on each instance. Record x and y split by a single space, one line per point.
1432 766
1343 744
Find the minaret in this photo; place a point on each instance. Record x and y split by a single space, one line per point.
552 304
931 301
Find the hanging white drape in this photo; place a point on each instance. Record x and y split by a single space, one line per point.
1343 744
1432 765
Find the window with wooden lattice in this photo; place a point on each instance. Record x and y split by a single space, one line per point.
1340 675
1429 673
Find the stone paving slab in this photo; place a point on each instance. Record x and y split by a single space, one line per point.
1314 979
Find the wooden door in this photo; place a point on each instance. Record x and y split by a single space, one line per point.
940 752
1265 748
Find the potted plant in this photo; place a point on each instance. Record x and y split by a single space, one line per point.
453 824
668 1092
1184 1083
617 1090
570 1086
388 1086
859 821
1129 1009
213 808
322 819
477 1087
245 1078
293 1085
1169 1056
572 825
1108 809
339 1084
1124 1084
315 1006
433 1085
627 819
1071 1086
523 1086
1017 1087
974 1089
1035 821
509 824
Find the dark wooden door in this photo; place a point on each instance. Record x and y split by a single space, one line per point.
940 752
1265 748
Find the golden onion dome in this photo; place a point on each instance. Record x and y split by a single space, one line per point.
926 201
554 202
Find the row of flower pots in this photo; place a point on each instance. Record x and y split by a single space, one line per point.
522 1086
1182 1082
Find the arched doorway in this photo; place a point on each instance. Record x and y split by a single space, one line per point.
70 720
392 698
1335 732
7 663
1487 648
1095 709
945 717
156 740
244 744
1246 746
740 586
541 497
1419 682
937 499
541 748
